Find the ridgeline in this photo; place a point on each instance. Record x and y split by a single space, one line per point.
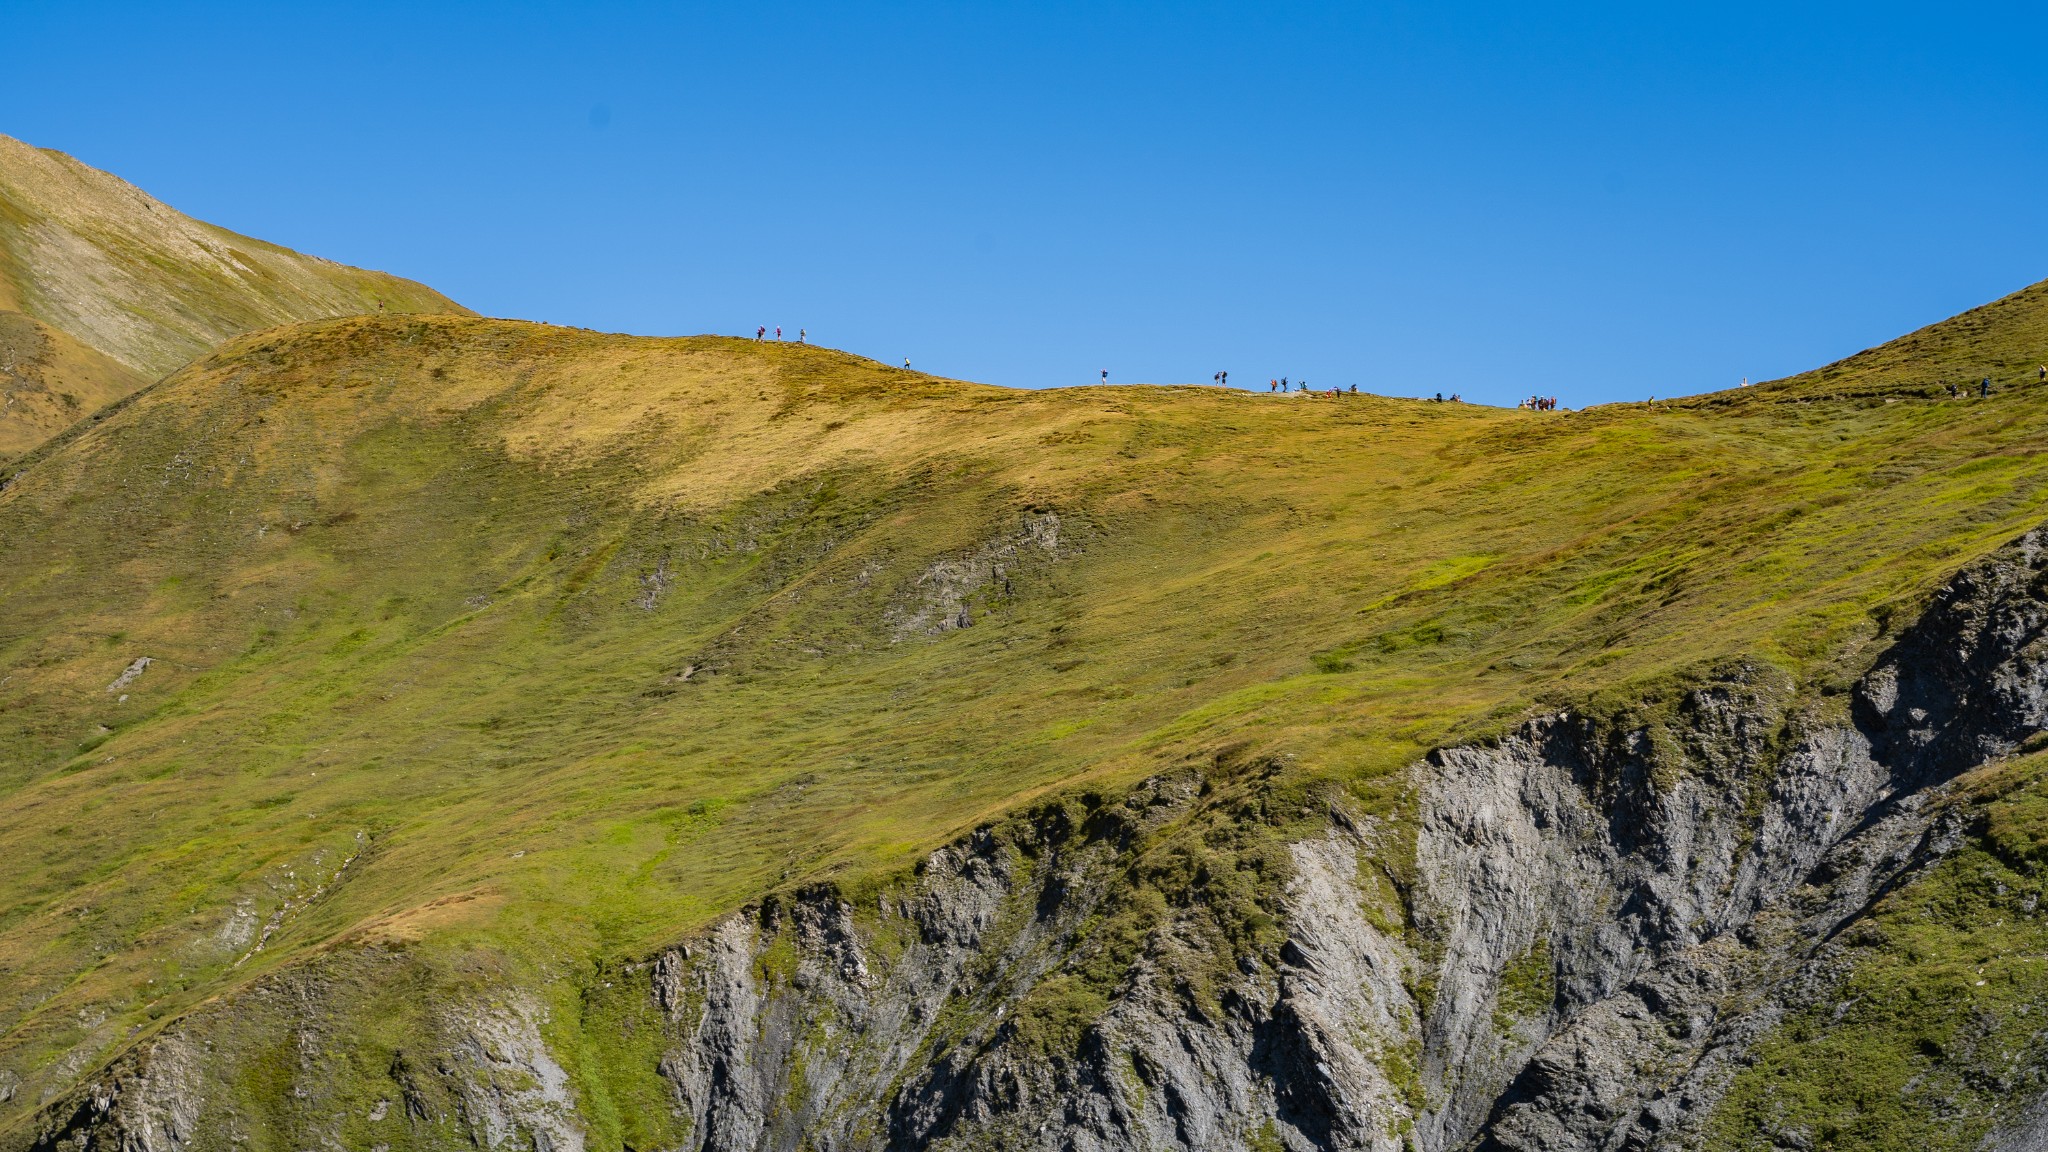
406 720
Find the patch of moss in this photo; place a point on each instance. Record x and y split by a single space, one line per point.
1528 986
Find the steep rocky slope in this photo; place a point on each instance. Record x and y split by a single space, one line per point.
435 732
103 290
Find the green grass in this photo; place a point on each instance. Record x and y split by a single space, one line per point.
419 592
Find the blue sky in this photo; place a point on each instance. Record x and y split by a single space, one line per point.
1602 202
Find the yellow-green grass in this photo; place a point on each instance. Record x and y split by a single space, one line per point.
395 576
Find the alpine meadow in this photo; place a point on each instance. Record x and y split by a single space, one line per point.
426 731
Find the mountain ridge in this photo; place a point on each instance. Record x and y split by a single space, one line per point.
432 731
710 594
87 259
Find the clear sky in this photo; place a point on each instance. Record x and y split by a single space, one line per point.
1606 202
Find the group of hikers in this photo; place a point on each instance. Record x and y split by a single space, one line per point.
1532 404
1984 385
1301 387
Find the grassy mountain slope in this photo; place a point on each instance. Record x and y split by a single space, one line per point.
483 634
2005 341
51 380
100 267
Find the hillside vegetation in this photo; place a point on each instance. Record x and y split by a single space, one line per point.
103 290
483 637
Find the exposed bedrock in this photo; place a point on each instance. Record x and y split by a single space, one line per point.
1568 941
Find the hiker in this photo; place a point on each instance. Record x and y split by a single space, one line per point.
1354 389
906 361
1225 378
2044 373
801 335
778 333
1951 389
1272 385
1439 398
1984 389
763 331
1283 383
1105 375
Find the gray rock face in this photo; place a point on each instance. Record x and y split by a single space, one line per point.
513 1093
1605 909
945 595
1685 909
846 1050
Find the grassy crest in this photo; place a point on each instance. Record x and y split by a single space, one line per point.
496 638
